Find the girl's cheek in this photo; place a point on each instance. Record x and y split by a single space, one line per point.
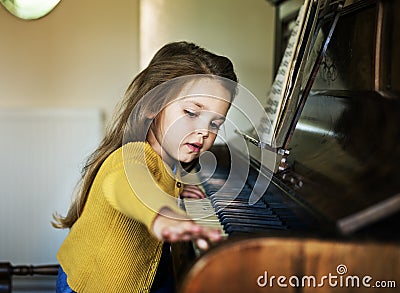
209 141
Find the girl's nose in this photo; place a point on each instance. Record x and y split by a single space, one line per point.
203 132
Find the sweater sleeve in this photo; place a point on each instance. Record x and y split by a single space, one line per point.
140 198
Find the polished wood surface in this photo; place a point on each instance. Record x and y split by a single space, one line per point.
255 265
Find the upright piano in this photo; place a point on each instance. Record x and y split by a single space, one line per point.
336 178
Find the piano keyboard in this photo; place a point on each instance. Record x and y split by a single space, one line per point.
229 211
203 213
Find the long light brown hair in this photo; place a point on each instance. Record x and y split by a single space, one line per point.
171 61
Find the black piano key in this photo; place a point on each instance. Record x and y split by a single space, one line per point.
238 200
231 228
236 204
247 215
243 209
242 196
250 221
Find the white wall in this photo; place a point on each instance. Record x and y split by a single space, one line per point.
42 153
83 54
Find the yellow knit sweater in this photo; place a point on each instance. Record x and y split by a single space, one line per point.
111 248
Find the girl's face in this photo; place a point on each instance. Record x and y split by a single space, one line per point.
188 125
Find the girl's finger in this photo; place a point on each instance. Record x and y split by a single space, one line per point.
192 191
202 243
191 195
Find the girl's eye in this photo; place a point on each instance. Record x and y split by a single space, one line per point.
190 113
214 125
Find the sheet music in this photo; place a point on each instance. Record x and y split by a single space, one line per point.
283 98
277 94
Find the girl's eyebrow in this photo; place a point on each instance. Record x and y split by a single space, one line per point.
196 103
220 117
201 106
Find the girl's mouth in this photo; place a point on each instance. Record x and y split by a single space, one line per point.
194 147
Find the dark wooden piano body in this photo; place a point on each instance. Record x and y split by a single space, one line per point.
342 181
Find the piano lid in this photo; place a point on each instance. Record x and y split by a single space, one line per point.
345 147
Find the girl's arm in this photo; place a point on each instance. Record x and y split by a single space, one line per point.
161 214
142 199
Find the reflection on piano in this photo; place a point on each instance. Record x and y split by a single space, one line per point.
340 181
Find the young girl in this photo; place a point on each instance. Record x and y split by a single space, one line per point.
126 210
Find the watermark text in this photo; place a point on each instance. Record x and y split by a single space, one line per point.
339 279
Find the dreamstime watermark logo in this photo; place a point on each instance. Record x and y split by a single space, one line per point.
341 279
192 102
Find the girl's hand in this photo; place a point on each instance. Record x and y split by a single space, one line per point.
172 227
192 191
